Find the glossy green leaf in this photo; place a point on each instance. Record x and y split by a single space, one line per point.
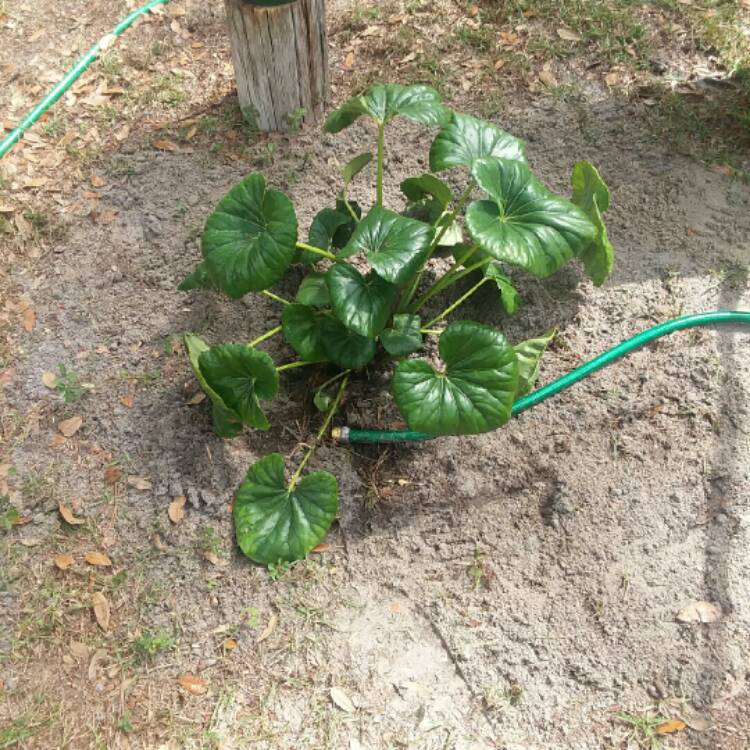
361 303
322 400
383 102
313 290
249 240
405 337
524 224
427 186
354 167
323 230
301 328
465 139
344 232
275 524
473 394
198 279
226 424
344 347
396 246
509 297
529 353
591 193
241 376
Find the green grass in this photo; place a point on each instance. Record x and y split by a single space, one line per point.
19 730
642 728
151 643
68 385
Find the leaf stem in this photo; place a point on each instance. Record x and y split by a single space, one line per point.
333 379
322 431
451 276
293 365
316 250
349 208
381 154
448 310
267 335
275 297
436 242
431 331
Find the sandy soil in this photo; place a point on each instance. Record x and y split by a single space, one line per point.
514 590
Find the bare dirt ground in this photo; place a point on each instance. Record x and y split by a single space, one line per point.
515 590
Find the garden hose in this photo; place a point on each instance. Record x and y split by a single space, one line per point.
15 135
352 435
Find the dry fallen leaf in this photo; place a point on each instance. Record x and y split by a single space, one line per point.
98 559
68 516
272 622
166 145
29 320
69 427
197 399
112 475
176 510
63 561
79 650
230 644
97 181
214 559
322 547
568 34
140 483
670 727
349 61
194 685
700 612
342 700
101 609
49 379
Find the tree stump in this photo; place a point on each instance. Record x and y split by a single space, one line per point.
280 57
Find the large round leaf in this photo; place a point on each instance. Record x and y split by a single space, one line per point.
276 524
225 422
427 186
301 327
313 290
465 139
591 193
241 376
249 240
524 224
344 347
396 246
199 278
362 303
475 392
383 102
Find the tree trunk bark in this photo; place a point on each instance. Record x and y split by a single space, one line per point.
280 57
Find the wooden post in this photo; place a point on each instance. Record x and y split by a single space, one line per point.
280 57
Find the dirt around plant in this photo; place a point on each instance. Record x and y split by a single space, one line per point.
516 590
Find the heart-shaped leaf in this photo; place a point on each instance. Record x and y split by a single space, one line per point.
301 327
396 246
323 231
405 337
313 290
226 424
524 224
509 297
344 347
241 376
383 102
361 303
591 193
249 240
427 186
353 167
276 524
475 392
465 139
198 279
529 353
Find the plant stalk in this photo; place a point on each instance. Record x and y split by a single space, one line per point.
316 250
452 275
381 154
332 380
267 335
459 301
293 365
436 242
322 431
275 297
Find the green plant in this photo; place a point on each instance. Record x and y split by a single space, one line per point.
150 643
342 317
68 384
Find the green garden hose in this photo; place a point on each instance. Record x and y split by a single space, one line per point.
15 135
352 435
